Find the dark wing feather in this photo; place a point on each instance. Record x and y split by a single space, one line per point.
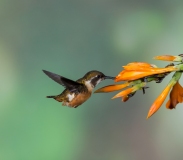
67 83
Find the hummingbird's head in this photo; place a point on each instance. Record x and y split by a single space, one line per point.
93 78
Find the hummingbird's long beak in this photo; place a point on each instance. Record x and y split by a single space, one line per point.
109 77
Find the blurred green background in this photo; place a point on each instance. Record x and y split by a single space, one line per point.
71 38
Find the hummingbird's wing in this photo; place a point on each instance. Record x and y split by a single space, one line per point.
67 83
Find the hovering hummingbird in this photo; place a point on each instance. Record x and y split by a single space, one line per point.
76 92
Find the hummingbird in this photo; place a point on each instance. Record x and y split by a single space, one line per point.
76 92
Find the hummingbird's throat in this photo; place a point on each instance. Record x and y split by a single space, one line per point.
90 85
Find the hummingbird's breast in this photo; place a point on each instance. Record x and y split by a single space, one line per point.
74 100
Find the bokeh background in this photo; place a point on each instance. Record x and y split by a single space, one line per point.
71 38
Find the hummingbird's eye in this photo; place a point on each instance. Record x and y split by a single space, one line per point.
98 76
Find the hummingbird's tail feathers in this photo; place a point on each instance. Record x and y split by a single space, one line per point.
50 96
57 98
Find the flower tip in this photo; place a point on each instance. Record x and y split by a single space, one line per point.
100 90
105 89
114 97
97 91
117 78
153 110
154 57
150 113
148 116
125 98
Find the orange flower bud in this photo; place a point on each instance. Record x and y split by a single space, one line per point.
112 88
165 58
159 101
130 90
169 58
125 92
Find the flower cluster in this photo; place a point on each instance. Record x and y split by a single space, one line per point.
137 74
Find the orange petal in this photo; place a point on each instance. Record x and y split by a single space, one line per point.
165 58
124 93
168 105
171 104
170 58
160 70
112 88
159 101
135 65
139 64
125 98
128 75
176 96
180 99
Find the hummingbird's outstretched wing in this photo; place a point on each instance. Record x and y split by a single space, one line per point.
67 83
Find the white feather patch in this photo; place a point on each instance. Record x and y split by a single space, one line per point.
70 97
99 81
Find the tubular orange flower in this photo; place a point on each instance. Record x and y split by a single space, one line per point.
159 101
138 74
128 91
125 92
128 75
112 88
176 96
169 58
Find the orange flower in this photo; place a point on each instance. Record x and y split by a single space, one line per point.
169 58
159 101
125 92
129 91
137 74
176 96
112 88
129 75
